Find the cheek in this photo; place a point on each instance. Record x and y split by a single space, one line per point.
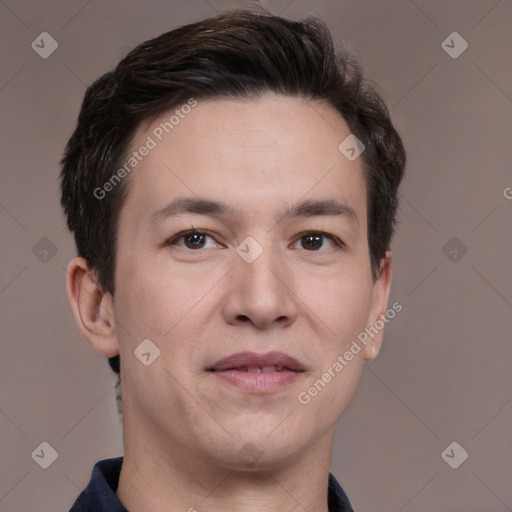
341 301
155 305
343 304
149 301
170 309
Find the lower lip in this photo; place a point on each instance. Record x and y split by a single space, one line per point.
258 382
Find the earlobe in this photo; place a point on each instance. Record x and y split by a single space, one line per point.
376 321
92 308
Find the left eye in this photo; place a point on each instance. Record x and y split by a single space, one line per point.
314 241
193 240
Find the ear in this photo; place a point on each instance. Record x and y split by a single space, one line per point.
93 308
381 288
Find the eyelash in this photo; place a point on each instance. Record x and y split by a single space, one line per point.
181 235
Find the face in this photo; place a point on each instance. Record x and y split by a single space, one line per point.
242 255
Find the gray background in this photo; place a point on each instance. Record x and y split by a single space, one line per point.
443 374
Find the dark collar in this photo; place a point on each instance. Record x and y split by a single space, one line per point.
100 493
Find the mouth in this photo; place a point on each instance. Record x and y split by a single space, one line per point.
258 373
252 362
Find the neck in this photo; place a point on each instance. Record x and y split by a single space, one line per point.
172 480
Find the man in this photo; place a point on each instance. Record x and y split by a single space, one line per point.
232 189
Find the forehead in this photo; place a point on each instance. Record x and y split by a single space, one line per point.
251 153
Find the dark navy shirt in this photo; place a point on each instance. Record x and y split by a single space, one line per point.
100 493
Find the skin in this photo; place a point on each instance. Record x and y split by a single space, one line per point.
190 439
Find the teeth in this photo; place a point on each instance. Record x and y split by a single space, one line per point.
264 369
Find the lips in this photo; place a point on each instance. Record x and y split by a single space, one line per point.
251 362
258 373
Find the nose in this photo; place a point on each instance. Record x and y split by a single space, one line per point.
260 293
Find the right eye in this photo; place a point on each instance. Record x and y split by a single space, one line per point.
192 239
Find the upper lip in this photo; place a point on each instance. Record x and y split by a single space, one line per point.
252 359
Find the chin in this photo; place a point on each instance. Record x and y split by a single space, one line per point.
260 453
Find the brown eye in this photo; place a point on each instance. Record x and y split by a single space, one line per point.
312 242
193 240
316 241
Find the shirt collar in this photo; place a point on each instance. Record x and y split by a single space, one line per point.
100 493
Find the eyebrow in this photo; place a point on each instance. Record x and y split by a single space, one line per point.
203 206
